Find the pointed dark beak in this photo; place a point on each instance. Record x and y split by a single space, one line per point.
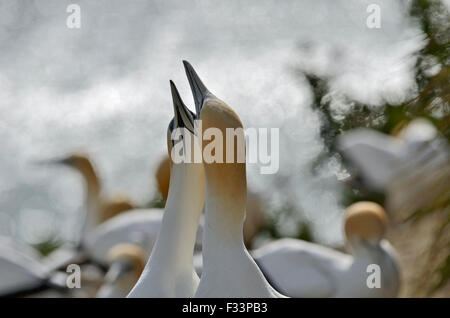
51 162
183 117
199 90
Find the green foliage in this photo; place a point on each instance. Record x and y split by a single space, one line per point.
47 246
432 75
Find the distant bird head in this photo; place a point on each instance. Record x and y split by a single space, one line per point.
199 91
127 261
365 221
79 162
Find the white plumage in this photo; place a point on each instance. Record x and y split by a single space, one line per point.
21 272
302 269
139 226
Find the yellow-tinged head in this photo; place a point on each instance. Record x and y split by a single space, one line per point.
130 254
229 178
366 220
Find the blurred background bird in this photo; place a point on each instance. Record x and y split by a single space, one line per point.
322 78
302 269
23 275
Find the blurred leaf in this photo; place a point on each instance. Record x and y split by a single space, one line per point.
47 246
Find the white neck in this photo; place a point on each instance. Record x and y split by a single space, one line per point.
228 269
93 200
381 254
93 210
170 271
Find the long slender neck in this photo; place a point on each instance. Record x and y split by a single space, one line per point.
228 269
170 271
177 235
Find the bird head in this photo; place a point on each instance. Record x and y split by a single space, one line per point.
365 222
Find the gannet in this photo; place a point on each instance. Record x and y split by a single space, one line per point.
99 207
126 263
170 270
105 225
302 269
12 244
228 269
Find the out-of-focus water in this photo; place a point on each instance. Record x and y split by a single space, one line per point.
104 88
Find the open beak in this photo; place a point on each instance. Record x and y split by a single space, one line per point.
183 117
199 90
